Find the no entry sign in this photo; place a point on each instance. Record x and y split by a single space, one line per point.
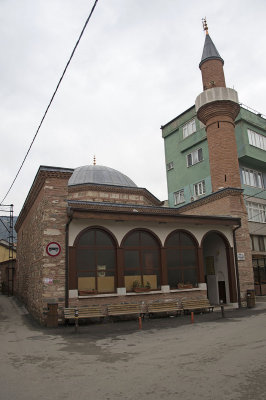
53 249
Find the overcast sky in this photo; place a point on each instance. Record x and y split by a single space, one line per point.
136 68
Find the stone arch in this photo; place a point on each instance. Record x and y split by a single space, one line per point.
102 228
186 232
181 259
218 262
156 237
141 250
94 262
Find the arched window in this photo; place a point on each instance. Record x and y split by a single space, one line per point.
96 262
181 256
141 260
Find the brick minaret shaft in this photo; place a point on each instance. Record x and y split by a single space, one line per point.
217 107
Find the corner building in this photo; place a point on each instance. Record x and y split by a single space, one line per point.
112 233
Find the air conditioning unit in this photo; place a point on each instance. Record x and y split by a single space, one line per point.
194 198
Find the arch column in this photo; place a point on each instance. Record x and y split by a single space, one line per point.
120 268
201 265
231 274
164 274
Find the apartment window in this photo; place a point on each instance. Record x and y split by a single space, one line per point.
256 212
179 197
252 178
189 128
194 157
199 188
257 140
170 165
258 242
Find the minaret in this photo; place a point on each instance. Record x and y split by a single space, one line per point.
217 107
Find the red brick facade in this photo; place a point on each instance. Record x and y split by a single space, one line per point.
212 74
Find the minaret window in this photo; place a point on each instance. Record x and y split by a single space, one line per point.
189 128
257 140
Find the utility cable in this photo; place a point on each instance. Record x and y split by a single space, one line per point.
52 98
253 195
4 225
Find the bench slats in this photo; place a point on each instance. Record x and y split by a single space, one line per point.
197 304
164 307
123 309
83 312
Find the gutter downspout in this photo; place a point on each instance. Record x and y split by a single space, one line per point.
70 216
236 264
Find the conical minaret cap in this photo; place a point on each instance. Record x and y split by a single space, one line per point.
209 51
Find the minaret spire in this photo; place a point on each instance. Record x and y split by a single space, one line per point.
205 26
211 64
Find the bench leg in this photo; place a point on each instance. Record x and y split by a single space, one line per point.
76 324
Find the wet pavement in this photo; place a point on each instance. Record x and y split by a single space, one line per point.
170 358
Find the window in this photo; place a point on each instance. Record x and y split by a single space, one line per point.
141 260
96 262
199 188
194 157
258 242
181 258
189 128
170 165
256 212
257 140
252 178
179 197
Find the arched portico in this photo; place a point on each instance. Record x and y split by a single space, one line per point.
219 269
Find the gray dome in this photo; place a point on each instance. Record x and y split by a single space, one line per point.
98 174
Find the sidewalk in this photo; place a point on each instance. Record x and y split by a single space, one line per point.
126 326
170 358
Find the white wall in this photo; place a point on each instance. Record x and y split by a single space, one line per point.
121 228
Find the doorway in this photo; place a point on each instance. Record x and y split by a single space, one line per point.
222 292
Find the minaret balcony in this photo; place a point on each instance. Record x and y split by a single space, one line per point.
217 101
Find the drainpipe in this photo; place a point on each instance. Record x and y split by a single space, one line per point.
70 216
236 264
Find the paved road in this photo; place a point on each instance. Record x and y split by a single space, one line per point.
170 358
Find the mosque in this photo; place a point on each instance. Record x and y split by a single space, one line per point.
90 235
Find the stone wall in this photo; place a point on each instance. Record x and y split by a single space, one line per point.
41 278
111 194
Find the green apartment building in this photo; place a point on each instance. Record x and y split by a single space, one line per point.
189 177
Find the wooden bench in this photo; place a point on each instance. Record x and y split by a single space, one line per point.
166 307
201 305
116 310
77 313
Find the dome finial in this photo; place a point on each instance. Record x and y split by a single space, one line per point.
94 160
205 26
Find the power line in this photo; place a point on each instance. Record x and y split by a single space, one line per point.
4 225
257 229
253 195
52 98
